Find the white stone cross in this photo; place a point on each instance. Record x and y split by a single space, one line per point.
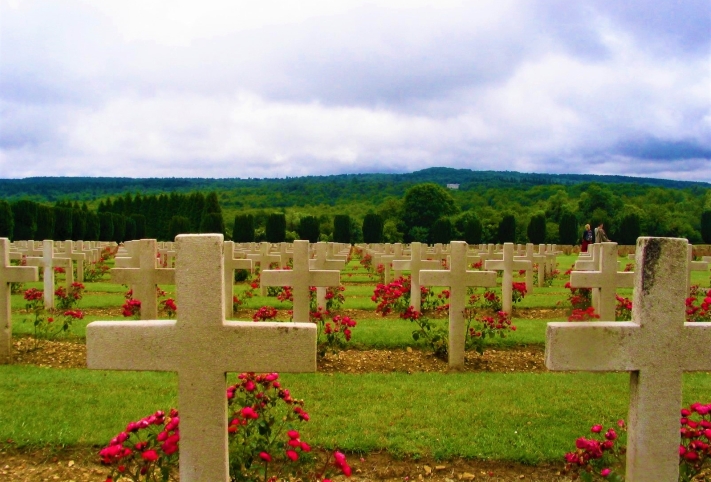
507 264
145 277
607 279
72 254
321 262
656 347
286 254
231 264
528 256
457 278
201 347
300 278
415 264
9 274
540 258
47 262
264 260
693 265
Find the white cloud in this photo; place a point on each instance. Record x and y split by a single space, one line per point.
294 88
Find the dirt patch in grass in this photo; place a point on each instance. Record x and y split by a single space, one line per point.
72 354
80 464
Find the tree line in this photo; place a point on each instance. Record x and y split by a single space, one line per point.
427 212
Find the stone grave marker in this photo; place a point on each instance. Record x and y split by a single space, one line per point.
201 347
693 265
415 264
70 252
9 274
48 262
300 278
606 279
458 279
507 264
540 259
528 256
144 278
232 264
320 261
263 258
656 347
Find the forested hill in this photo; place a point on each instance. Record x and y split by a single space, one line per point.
310 189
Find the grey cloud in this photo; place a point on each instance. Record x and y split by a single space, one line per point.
664 149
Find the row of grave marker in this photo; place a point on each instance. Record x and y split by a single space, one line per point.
656 347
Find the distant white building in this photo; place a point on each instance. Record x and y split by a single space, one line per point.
452 186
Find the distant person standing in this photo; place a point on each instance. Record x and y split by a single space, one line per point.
587 238
600 235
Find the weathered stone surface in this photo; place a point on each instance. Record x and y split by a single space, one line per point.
201 347
656 347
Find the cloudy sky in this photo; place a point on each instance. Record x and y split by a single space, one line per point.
144 88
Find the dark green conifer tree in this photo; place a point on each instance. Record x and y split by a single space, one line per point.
7 223
24 213
342 228
243 230
442 231
506 232
275 230
309 229
537 229
62 223
568 232
372 228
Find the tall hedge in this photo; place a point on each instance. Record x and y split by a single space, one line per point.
45 222
211 220
537 229
706 226
92 232
342 228
629 229
140 222
7 223
309 229
62 224
24 213
372 228
178 225
568 229
119 228
442 231
472 230
106 226
275 231
506 232
78 224
130 230
212 223
243 230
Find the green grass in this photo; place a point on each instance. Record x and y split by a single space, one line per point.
523 417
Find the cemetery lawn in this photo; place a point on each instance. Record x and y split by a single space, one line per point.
386 399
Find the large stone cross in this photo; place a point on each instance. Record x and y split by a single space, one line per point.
300 278
508 265
9 274
540 258
656 347
607 279
458 278
231 264
201 347
320 261
415 264
145 277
